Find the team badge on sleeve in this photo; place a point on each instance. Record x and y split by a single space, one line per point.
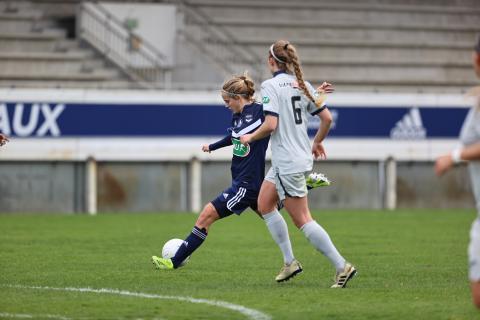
265 100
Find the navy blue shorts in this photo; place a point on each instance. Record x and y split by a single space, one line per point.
235 200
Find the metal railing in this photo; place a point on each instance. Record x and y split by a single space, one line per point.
134 55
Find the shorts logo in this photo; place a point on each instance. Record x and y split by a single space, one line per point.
236 198
225 195
265 100
239 149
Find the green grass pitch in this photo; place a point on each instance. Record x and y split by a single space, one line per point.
412 264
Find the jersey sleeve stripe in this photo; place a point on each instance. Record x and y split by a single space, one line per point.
318 110
270 113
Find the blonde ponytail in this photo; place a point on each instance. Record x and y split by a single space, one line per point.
285 54
239 86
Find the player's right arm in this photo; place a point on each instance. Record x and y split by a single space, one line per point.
225 142
468 153
267 127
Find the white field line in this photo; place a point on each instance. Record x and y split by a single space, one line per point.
31 316
249 313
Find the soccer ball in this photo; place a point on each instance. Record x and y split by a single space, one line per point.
170 248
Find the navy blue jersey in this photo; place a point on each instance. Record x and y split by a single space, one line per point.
248 162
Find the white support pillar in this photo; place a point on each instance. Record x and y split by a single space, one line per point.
91 186
390 184
195 191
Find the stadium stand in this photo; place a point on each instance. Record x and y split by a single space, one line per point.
395 47
368 46
373 46
36 52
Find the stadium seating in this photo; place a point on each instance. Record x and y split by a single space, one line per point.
372 45
35 52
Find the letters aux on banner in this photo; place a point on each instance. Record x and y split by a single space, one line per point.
110 120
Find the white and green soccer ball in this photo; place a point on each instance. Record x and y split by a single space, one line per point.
170 248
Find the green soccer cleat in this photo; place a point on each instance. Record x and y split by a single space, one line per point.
162 264
315 180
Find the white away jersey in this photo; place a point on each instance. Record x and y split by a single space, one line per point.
291 148
470 134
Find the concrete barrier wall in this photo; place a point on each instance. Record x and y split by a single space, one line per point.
418 187
43 187
149 167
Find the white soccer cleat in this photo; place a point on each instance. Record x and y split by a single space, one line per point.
289 271
341 278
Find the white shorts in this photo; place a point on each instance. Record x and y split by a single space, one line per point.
288 185
474 252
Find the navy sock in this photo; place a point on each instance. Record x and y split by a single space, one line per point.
190 244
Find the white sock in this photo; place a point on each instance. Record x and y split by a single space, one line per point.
279 231
319 238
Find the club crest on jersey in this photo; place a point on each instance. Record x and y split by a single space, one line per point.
248 118
265 100
239 149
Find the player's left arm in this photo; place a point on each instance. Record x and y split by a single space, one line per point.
323 113
325 87
447 161
318 150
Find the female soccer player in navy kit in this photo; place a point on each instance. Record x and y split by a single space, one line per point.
469 151
286 100
248 169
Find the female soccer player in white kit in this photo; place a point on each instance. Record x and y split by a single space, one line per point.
470 151
286 100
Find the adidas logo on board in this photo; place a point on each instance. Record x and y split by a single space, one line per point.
409 127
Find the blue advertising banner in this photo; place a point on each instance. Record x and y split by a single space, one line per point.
394 122
142 120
